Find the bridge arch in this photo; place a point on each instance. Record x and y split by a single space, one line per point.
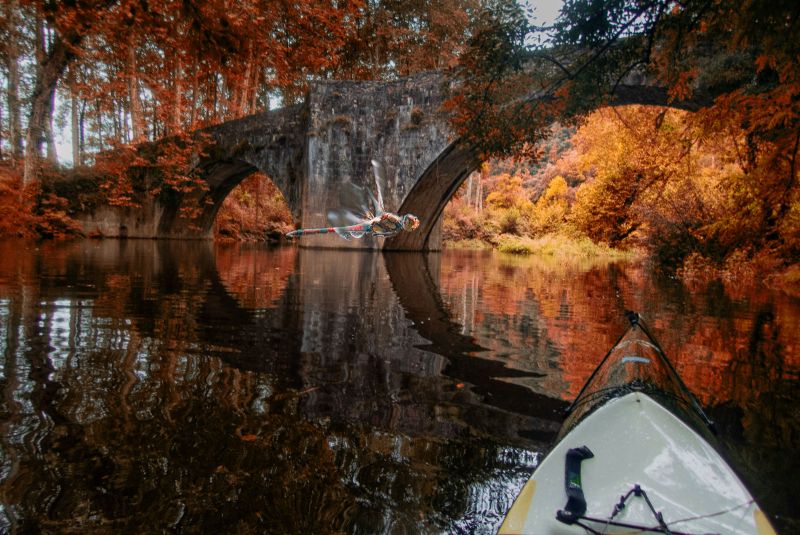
272 142
442 178
431 193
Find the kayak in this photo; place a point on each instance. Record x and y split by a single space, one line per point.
635 455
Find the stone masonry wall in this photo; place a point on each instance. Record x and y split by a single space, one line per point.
311 151
350 123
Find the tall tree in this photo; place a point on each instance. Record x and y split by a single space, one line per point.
12 54
137 117
75 118
71 23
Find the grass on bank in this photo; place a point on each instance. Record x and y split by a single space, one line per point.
549 245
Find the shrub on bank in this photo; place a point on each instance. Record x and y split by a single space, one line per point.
17 219
33 211
468 245
559 246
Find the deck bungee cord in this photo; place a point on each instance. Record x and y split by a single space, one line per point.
575 509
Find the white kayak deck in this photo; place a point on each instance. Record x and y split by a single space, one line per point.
637 441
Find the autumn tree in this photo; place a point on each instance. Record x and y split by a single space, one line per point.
745 55
11 54
69 24
737 62
552 207
401 37
491 85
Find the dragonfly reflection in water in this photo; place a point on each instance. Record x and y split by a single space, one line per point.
362 214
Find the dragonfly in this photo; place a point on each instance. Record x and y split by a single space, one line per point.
373 220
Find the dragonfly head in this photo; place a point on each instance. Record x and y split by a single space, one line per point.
410 222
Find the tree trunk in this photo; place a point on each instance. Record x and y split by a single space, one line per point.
12 67
116 120
479 197
127 134
137 119
76 140
98 117
178 109
193 117
82 129
49 72
42 49
254 93
74 122
244 90
52 152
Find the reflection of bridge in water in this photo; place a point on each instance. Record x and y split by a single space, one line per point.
312 318
153 383
133 358
341 326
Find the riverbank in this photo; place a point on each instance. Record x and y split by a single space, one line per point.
550 245
697 270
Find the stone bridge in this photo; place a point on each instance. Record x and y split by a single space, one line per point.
310 150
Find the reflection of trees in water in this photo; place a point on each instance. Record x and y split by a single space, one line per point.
539 316
760 419
556 320
117 413
256 276
734 345
154 383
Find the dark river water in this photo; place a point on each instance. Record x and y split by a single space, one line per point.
190 387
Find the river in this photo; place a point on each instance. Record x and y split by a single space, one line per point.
152 386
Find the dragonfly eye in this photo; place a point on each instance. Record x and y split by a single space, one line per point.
410 222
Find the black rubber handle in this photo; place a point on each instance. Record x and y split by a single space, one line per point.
576 502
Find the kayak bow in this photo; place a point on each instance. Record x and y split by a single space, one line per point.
634 456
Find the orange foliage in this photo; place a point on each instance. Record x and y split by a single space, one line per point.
17 219
115 168
165 169
52 220
254 211
29 213
686 186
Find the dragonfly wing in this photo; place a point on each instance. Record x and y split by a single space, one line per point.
344 217
380 180
343 234
349 234
341 219
338 220
356 199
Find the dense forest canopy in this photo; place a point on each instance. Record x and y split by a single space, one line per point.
128 71
135 70
736 62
